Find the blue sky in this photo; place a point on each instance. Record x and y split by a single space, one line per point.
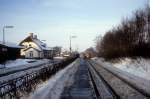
55 20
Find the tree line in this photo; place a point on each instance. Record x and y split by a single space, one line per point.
131 38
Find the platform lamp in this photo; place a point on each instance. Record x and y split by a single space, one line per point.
4 32
4 49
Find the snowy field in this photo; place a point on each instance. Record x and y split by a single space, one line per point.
53 88
139 67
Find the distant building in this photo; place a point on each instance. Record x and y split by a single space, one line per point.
35 48
9 51
57 50
65 53
90 53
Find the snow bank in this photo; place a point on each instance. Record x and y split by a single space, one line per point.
139 67
17 62
53 88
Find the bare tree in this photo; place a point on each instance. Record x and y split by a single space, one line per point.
130 38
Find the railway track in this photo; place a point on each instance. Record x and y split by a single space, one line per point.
88 84
111 85
81 85
92 81
11 89
9 71
16 73
102 89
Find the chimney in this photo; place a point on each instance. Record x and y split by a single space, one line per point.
35 36
31 35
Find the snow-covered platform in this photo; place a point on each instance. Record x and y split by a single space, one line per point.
81 88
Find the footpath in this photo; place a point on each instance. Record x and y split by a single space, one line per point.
81 88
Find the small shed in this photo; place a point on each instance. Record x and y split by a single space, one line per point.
9 51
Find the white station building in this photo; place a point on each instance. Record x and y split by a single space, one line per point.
35 48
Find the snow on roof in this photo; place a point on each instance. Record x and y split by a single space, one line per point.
10 44
31 48
34 39
41 44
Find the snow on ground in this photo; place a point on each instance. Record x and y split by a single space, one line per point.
58 57
139 67
53 88
20 62
25 68
17 62
19 74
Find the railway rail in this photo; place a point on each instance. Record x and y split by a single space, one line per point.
88 84
80 88
115 84
8 71
104 82
101 87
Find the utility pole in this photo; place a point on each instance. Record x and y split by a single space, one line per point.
70 39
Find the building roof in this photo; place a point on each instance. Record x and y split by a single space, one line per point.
33 48
41 44
11 45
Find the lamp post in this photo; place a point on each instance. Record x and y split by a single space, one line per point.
4 32
5 50
45 54
71 42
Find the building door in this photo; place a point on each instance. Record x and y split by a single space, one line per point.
31 54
